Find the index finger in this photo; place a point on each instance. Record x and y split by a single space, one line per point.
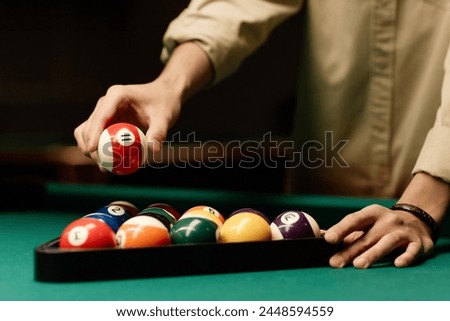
104 111
356 221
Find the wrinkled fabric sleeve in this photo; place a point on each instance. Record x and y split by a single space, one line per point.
227 30
434 158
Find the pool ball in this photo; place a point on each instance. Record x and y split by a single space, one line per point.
113 215
244 227
204 211
87 233
142 231
250 210
169 208
294 224
128 206
193 230
162 215
122 149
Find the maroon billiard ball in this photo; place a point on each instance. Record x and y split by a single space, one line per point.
122 149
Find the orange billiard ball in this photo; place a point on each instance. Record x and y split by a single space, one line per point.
142 231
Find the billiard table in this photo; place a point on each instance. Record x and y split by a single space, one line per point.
34 214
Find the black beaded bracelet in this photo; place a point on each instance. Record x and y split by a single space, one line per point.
422 215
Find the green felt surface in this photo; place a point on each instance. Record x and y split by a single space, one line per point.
21 231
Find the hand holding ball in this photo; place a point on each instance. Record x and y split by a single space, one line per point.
122 149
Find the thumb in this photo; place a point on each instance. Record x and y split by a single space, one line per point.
156 134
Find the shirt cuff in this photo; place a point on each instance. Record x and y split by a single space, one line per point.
228 31
224 61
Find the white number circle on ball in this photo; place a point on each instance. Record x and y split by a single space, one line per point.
290 218
125 137
78 235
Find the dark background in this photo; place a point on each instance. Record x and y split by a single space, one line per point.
58 57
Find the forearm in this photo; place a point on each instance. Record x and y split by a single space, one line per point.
429 193
227 30
187 71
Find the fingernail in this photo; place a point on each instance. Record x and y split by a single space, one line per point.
337 261
361 263
331 237
400 263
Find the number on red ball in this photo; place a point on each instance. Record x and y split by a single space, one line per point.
87 233
122 149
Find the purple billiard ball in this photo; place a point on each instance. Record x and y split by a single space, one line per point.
294 224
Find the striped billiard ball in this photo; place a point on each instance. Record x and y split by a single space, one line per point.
294 224
122 149
142 231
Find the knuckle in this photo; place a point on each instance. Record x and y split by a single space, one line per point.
365 241
116 91
351 217
394 237
416 248
100 100
428 245
393 220
374 208
77 132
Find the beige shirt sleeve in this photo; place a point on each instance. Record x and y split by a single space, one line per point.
434 157
227 30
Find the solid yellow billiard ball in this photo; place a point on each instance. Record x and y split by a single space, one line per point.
244 227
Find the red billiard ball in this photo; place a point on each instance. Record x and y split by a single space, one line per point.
142 231
122 149
87 233
294 224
